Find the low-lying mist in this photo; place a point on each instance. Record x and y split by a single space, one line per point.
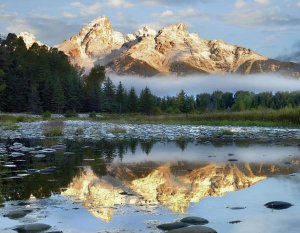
195 84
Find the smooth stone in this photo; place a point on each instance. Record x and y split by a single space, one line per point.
232 160
9 165
235 222
172 226
236 207
195 220
15 214
16 154
35 227
32 171
49 170
69 153
193 229
48 151
22 174
278 205
40 156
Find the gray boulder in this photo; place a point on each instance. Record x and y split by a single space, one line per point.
172 226
194 229
32 228
195 220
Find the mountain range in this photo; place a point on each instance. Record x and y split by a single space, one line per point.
173 50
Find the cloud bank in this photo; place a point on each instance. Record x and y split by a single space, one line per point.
193 85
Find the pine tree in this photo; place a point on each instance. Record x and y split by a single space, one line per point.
132 102
146 101
121 98
109 94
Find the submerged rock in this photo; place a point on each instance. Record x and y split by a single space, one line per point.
195 220
40 156
194 229
172 226
236 207
15 214
35 227
232 160
235 222
278 205
49 170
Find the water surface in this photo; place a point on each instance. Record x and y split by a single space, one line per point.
132 186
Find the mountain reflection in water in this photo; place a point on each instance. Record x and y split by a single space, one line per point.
107 176
172 185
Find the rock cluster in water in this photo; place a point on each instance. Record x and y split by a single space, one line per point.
187 225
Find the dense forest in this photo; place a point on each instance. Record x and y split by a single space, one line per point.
41 79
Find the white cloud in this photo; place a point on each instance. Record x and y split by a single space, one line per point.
58 28
87 9
119 3
167 13
263 2
240 4
94 9
298 4
263 16
179 15
168 17
69 15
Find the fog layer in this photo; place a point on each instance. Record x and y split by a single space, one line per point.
169 86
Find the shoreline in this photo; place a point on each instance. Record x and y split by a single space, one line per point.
93 130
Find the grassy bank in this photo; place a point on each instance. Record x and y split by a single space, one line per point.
10 121
267 118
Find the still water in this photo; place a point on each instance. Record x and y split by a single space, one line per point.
133 186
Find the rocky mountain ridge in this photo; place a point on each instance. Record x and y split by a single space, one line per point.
29 39
171 51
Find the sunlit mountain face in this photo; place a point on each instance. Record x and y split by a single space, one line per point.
171 185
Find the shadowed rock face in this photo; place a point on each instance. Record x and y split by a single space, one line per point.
269 66
172 185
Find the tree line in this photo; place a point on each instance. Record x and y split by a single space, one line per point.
41 79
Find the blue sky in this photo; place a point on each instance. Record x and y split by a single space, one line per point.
270 27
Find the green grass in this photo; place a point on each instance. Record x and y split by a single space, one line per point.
79 131
117 130
10 122
266 118
53 129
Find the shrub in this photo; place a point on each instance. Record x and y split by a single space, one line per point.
46 115
53 132
79 131
53 129
92 115
71 114
117 130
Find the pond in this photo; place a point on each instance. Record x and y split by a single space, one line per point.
134 185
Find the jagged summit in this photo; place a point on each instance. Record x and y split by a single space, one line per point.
171 50
29 39
140 33
95 40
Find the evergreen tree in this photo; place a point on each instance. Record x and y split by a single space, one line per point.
146 101
181 102
132 102
109 94
121 98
